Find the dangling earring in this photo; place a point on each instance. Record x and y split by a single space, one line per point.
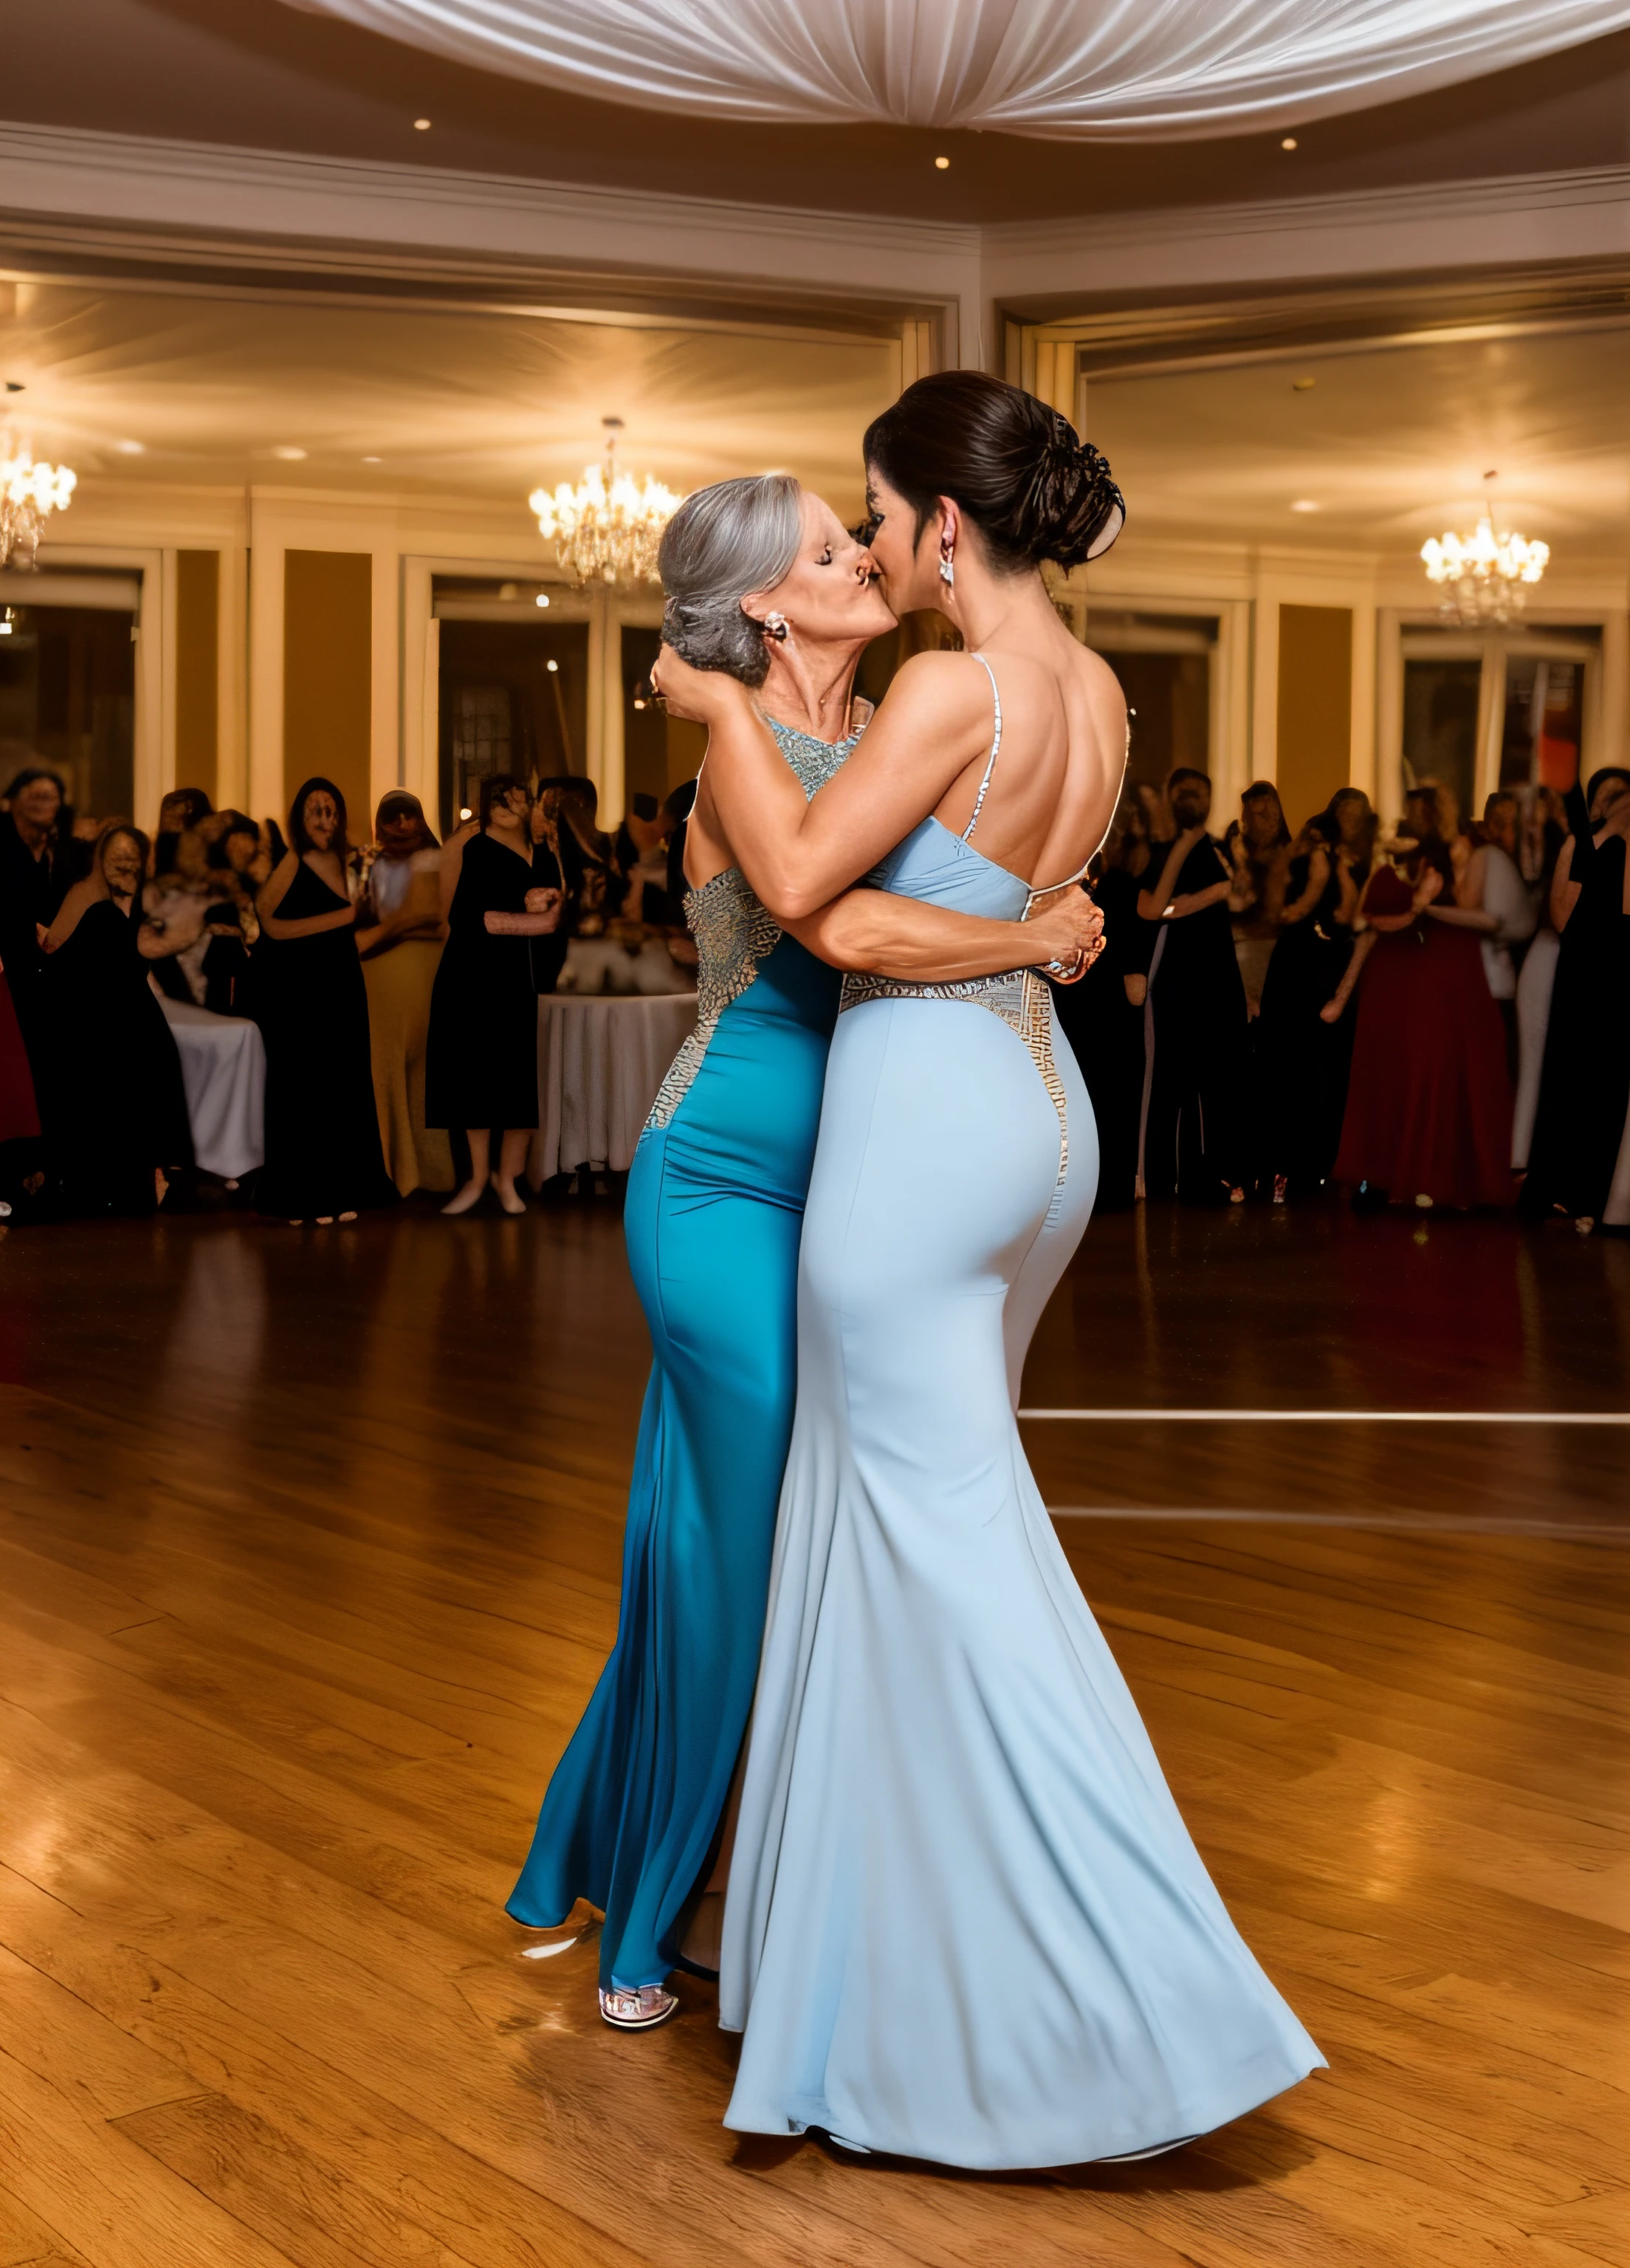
776 627
948 564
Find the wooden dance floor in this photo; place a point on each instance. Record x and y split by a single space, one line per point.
308 1557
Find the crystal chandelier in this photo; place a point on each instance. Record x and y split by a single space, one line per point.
606 529
1485 575
29 494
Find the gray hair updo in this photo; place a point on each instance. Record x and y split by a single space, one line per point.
723 543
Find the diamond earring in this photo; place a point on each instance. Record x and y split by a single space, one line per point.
776 627
948 564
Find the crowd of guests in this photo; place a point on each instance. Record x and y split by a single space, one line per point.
1436 1017
1433 1017
393 986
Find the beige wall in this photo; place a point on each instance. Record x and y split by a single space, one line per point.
327 675
1315 722
197 671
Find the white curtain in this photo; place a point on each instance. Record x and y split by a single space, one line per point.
1069 69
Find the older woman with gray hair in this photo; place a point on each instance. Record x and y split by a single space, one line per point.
763 583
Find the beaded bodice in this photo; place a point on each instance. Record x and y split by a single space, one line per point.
735 934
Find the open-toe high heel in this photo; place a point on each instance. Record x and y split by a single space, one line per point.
637 2010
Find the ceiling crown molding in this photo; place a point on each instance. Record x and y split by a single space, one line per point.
1501 221
68 173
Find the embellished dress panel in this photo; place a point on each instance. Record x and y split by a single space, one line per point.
713 1215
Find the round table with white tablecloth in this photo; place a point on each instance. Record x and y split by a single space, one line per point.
600 1062
223 1072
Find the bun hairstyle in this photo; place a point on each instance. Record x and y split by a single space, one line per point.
1031 486
723 543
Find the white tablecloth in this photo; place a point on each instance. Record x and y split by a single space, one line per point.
600 1062
224 1071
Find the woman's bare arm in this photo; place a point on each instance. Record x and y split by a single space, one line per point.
82 895
310 925
419 916
904 938
1333 1008
1318 875
1152 903
452 864
799 854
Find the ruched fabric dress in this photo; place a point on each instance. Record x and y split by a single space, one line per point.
481 1061
964 1922
712 1217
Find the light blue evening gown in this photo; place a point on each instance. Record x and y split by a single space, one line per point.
714 1202
966 1922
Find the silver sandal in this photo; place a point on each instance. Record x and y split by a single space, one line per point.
636 2009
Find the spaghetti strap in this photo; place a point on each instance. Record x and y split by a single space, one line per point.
990 761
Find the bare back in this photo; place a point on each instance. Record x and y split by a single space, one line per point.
1052 791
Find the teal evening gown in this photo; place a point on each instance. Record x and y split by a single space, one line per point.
714 1210
966 1922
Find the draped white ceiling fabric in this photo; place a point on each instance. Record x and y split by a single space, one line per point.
1064 70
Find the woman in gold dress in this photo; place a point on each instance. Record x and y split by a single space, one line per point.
399 936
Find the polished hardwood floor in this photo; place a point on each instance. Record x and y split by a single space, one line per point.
308 1557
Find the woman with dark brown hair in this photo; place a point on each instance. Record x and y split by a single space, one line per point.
323 1160
481 1061
964 1921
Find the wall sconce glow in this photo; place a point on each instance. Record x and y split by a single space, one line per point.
420 125
1289 142
467 812
942 164
542 598
552 666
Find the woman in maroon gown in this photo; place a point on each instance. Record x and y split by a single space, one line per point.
1428 1106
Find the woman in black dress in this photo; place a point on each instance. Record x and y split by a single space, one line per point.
1584 1089
323 1159
482 1067
1102 1015
1304 1061
112 1103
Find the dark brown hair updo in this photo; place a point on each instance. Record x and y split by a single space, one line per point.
1033 489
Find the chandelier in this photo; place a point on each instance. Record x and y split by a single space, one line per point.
607 528
1486 576
29 494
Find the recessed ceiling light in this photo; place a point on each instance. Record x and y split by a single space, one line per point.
1305 503
420 125
373 461
288 455
1289 142
552 666
1302 385
942 164
542 598
131 448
